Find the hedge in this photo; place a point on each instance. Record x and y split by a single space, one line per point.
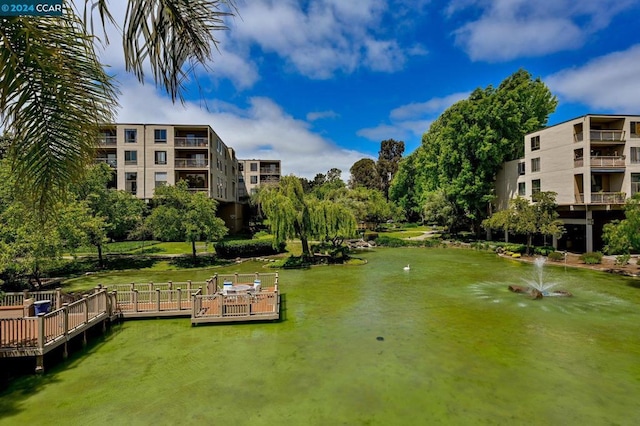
247 248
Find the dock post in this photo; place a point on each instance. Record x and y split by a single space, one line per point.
157 299
65 327
135 300
179 299
39 364
58 298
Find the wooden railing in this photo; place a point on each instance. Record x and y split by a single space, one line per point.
608 161
38 333
18 298
264 304
266 280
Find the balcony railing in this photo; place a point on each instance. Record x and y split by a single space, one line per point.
189 163
613 161
110 161
602 161
182 141
603 198
106 140
601 136
198 189
269 171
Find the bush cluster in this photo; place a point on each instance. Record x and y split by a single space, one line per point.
556 256
592 258
247 248
386 241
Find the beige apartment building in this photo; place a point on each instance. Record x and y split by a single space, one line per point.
593 164
254 173
145 156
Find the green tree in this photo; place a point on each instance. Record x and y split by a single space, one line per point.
54 92
438 209
467 145
389 158
364 173
622 237
115 213
179 215
523 217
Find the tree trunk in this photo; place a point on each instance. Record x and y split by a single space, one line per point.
529 239
100 261
193 249
305 247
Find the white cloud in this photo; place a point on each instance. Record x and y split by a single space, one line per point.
324 38
410 120
319 115
609 82
430 107
509 29
262 130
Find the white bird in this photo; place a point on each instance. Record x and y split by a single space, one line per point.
407 268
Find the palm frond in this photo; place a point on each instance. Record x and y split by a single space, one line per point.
173 36
53 96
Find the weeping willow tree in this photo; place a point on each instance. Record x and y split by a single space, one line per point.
292 214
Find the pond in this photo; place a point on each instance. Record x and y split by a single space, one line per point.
443 343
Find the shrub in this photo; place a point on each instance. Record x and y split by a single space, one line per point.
623 259
592 258
556 256
247 248
390 242
515 248
544 250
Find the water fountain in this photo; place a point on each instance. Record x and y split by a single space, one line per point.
537 287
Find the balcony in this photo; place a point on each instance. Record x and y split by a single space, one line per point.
112 162
601 136
603 198
190 142
107 140
608 161
199 189
191 163
269 171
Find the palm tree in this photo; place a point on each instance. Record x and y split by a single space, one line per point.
54 92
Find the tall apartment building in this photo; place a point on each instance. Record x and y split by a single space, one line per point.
145 156
593 164
253 173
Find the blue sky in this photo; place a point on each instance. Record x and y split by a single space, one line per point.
319 83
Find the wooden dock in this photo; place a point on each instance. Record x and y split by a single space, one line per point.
222 299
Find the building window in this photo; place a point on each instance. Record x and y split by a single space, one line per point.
130 135
535 143
635 129
635 183
521 168
522 189
635 155
130 158
535 164
161 157
254 180
160 136
161 179
131 184
535 186
240 167
253 167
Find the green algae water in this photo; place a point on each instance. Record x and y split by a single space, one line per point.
443 343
